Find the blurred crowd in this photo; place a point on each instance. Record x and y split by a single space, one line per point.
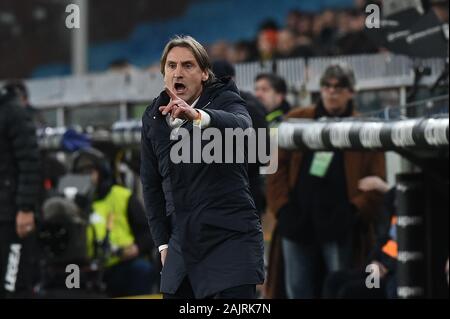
303 35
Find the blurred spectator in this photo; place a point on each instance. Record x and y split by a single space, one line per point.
271 91
258 115
119 234
324 32
243 51
267 44
267 40
355 40
292 21
19 192
351 284
323 218
288 47
298 26
220 50
19 88
304 25
343 22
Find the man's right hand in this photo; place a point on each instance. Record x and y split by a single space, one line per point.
373 183
381 267
163 256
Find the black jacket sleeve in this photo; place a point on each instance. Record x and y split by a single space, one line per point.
233 113
155 204
139 226
22 134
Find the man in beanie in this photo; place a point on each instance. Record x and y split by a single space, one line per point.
323 218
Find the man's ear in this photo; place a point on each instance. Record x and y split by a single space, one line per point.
205 76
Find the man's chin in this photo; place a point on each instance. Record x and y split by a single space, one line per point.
183 96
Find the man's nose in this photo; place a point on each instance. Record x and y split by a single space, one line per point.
178 72
332 90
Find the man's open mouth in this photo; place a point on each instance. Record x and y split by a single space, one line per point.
180 88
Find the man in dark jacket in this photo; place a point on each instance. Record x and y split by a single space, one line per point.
19 189
202 216
271 91
20 90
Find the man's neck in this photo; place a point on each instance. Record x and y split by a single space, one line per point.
194 103
339 112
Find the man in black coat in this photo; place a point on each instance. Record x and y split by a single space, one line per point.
19 190
20 90
202 216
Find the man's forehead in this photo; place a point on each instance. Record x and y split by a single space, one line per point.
180 54
263 82
332 79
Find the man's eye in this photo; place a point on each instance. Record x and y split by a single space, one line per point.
188 66
172 65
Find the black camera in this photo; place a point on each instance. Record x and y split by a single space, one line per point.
65 220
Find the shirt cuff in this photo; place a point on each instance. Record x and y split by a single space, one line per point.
204 121
162 247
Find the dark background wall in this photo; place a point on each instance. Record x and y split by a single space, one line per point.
33 32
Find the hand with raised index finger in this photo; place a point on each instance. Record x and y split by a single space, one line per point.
172 104
178 108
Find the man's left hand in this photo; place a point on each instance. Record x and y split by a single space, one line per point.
24 223
178 108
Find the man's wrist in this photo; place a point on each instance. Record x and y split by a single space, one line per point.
162 247
198 116
203 119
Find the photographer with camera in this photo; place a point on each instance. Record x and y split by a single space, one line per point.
19 190
118 235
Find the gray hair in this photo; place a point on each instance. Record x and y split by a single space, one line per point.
199 52
341 72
